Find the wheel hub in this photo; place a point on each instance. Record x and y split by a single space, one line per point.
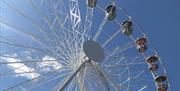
93 50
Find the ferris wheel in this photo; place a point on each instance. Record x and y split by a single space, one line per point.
75 45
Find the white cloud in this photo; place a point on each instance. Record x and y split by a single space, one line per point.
19 68
44 66
49 65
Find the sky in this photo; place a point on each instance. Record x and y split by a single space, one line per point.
160 19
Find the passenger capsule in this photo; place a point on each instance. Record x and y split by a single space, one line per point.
111 12
141 41
91 3
152 59
127 27
160 78
142 48
154 67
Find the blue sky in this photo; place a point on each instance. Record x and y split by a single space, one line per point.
160 20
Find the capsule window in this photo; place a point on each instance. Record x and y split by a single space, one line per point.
152 59
162 87
154 67
141 41
160 78
142 48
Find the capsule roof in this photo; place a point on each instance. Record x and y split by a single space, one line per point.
127 23
110 8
